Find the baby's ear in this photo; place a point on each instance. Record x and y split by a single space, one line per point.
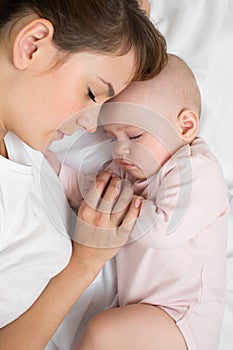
32 41
188 123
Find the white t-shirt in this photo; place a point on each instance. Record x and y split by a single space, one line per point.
34 217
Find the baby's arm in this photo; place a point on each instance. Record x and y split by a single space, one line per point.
69 179
192 193
70 182
53 160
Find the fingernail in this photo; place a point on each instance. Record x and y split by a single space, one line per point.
137 203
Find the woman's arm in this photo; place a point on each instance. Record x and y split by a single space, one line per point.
36 326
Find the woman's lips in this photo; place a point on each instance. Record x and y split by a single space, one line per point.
60 135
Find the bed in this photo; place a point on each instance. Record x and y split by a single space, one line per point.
201 32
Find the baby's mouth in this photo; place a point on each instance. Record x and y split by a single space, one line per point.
125 164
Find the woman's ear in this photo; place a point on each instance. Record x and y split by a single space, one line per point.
188 124
33 37
145 5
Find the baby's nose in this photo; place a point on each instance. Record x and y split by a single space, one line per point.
122 147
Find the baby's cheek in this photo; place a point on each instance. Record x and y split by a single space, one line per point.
144 158
161 154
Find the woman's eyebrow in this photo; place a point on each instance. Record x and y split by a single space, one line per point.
111 91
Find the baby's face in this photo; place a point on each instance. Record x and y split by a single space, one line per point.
136 150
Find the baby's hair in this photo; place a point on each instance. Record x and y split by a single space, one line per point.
187 83
108 27
176 88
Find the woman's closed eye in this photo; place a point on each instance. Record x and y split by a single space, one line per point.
91 95
135 136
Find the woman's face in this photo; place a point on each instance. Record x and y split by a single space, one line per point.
45 106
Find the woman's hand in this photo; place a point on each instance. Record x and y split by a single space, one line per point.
105 220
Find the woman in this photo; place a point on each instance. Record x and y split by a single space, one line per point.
58 58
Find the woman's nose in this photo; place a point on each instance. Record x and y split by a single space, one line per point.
87 123
122 147
89 119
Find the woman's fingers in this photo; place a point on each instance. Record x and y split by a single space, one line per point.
110 196
102 232
108 213
121 205
93 197
133 211
107 202
129 221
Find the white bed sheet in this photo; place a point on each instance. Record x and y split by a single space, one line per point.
201 32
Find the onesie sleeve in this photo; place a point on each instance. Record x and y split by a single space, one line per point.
69 178
76 185
191 195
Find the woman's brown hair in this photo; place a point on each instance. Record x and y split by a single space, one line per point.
103 26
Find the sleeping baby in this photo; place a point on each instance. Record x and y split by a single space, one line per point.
171 273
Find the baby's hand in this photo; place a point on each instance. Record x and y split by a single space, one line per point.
53 160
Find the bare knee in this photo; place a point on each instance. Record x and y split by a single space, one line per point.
132 327
97 334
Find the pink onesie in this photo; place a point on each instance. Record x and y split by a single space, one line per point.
176 259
